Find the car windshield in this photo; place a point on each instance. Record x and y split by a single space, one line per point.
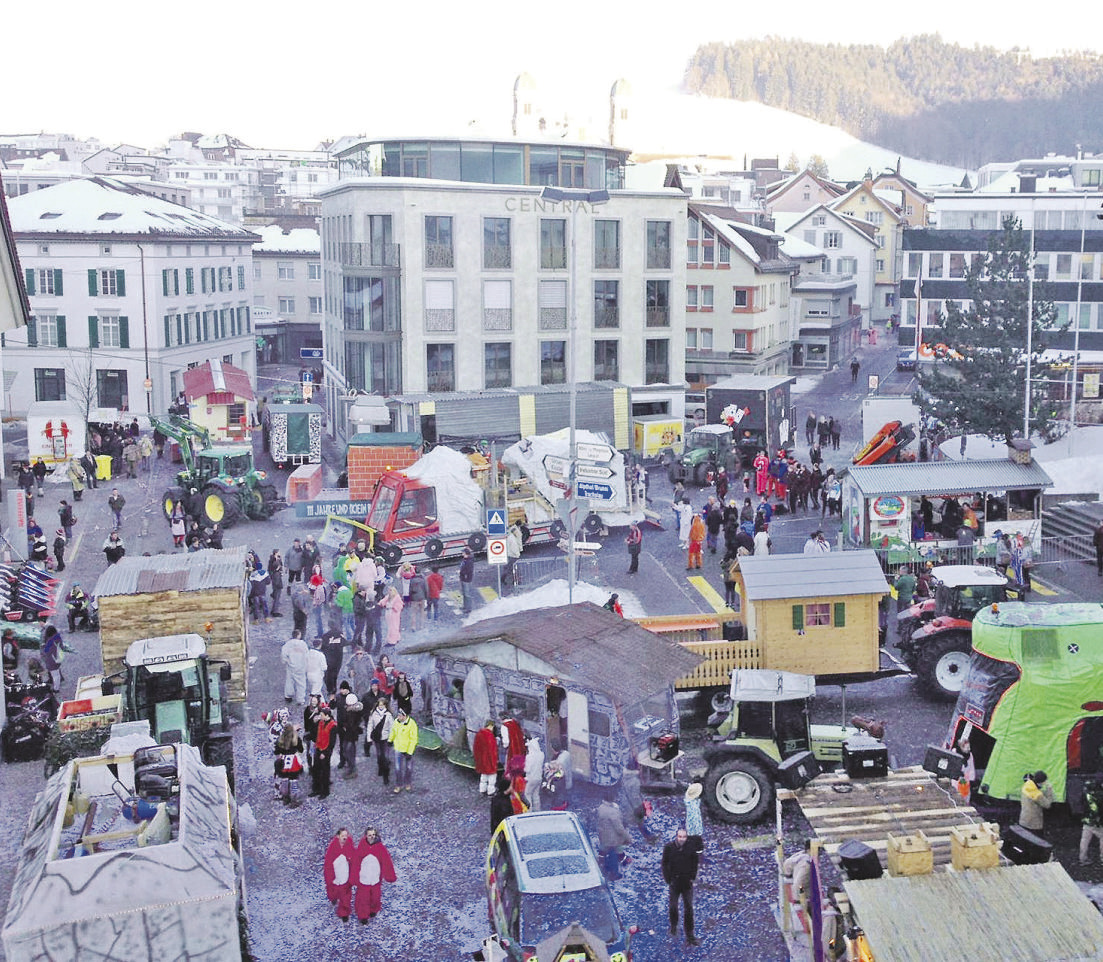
971 598
545 914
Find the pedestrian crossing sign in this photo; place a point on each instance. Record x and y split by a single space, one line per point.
495 521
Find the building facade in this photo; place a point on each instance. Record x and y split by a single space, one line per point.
848 246
126 293
863 203
288 294
469 284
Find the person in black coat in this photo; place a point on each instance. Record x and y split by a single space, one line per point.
333 647
59 549
501 805
680 862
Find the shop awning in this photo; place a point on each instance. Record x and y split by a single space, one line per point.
948 477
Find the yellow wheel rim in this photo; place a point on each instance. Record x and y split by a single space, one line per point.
214 507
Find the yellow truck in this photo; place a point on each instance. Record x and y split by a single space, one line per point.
657 437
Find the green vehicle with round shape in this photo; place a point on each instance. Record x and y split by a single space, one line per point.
1033 698
706 450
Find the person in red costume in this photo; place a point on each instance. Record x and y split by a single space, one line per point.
486 758
374 867
515 747
340 866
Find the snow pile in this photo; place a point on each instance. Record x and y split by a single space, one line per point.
554 594
1071 474
459 497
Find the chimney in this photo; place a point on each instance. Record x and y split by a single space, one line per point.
1018 450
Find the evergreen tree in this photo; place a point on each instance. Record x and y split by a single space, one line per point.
977 386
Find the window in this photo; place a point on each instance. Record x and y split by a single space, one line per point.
553 305
498 365
832 239
440 367
224 193
741 297
108 331
708 245
657 361
225 279
1090 178
48 282
241 277
553 362
875 216
314 270
606 304
657 298
606 245
315 305
189 280
658 245
740 341
605 361
691 298
496 243
691 339
820 220
108 283
706 297
693 228
809 237
957 265
287 305
257 272
285 270
880 265
725 255
848 265
817 615
553 244
111 390
438 243
49 384
497 306
705 339
210 175
1064 266
915 264
440 313
49 331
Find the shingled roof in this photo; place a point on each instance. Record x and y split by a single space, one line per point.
583 643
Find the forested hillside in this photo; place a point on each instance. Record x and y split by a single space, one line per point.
921 96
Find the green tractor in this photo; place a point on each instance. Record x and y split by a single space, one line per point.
768 721
218 484
706 450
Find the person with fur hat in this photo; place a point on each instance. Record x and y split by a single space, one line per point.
1036 796
350 731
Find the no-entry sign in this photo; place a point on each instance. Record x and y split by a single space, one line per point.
496 551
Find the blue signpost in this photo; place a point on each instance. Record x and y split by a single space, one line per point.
310 353
594 490
496 522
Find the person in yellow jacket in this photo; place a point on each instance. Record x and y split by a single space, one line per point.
404 740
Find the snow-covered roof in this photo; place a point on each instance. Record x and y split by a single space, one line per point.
102 205
1009 182
794 247
298 240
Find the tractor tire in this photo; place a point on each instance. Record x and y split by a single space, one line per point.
943 665
268 496
593 524
434 548
170 499
391 554
477 541
738 790
218 507
220 751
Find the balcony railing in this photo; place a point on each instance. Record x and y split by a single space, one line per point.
439 320
658 258
369 255
497 319
607 316
553 258
553 318
497 256
658 317
439 257
607 258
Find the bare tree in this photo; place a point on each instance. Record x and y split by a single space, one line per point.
80 382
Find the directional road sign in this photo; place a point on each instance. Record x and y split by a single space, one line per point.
308 377
496 551
599 453
310 353
496 521
556 465
594 490
594 472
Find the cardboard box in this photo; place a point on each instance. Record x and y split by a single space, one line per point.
975 846
83 714
910 855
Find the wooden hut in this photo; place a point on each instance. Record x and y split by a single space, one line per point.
174 594
220 398
813 614
575 675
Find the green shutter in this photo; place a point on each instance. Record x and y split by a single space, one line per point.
30 282
840 614
124 331
61 342
206 328
168 330
165 282
93 290
58 289
120 283
248 327
798 617
32 332
189 280
93 331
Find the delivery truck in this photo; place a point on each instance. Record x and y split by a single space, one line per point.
657 437
759 410
292 433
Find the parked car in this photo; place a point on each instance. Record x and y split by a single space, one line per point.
906 360
541 876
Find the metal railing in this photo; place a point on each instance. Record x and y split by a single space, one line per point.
369 255
1057 550
553 318
439 256
658 317
533 572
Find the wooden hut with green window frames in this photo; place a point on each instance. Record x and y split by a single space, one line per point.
813 614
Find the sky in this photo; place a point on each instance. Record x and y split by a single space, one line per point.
277 74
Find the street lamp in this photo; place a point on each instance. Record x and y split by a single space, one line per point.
574 197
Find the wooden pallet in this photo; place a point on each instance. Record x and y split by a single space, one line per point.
906 801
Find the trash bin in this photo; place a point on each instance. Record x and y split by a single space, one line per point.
103 467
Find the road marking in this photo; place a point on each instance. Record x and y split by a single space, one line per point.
710 594
489 594
72 555
1042 589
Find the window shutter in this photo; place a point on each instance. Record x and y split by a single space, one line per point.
30 281
92 282
206 327
248 320
61 342
120 283
189 280
93 331
798 617
840 614
124 330
168 330
165 282
32 332
58 289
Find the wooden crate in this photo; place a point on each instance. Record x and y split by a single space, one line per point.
910 854
975 846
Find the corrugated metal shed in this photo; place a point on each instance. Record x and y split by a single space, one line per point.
948 477
583 643
770 577
1019 913
193 571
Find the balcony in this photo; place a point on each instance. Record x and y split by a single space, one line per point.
658 258
497 256
553 318
440 320
607 316
607 258
497 319
658 317
553 258
439 257
369 255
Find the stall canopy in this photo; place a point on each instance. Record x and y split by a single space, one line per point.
934 478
